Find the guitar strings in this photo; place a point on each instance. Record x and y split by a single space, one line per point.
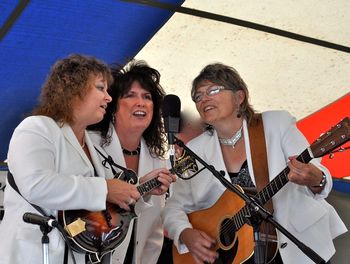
231 224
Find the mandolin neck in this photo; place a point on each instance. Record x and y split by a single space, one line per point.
148 186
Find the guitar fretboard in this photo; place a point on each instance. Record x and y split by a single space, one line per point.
268 191
148 186
180 167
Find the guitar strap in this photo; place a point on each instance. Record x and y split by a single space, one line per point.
128 175
259 156
13 184
261 174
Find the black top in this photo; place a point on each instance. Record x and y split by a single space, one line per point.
242 178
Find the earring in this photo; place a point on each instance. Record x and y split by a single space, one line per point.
239 112
113 118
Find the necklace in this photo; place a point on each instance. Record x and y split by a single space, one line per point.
132 152
233 140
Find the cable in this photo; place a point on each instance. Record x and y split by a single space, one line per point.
66 240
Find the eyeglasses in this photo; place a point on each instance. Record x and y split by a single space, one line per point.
210 91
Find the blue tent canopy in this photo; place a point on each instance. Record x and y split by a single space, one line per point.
45 31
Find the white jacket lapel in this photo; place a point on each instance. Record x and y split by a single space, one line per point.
145 161
113 150
71 138
96 159
247 151
214 156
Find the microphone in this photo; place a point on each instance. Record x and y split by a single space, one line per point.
36 219
171 115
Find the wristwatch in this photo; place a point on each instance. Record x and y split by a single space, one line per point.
323 181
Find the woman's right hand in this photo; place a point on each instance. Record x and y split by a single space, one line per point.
200 245
121 193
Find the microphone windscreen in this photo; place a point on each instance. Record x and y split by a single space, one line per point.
171 106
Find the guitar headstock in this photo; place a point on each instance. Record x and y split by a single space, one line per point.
333 138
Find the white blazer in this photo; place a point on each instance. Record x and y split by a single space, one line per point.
52 171
307 216
149 228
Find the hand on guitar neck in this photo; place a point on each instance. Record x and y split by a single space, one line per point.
306 174
164 176
124 194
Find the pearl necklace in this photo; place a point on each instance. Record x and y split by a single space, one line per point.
233 140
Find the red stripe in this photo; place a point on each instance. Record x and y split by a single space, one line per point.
321 121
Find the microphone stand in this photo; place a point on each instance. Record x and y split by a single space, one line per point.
45 229
46 224
257 213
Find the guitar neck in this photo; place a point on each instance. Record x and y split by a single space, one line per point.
280 180
154 183
270 189
148 186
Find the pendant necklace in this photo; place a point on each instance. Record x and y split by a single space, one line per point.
233 140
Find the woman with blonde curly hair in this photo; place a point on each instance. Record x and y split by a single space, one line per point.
53 163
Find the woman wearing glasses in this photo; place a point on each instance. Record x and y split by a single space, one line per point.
222 100
131 133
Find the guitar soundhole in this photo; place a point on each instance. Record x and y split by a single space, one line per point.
226 256
227 232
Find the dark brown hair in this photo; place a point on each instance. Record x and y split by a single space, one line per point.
149 80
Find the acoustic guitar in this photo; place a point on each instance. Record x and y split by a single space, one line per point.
226 220
98 233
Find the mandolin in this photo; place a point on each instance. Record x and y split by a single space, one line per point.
99 233
226 219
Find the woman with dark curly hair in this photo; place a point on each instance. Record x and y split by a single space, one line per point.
132 134
54 167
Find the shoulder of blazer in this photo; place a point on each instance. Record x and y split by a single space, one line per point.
279 116
42 121
42 125
277 122
201 140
